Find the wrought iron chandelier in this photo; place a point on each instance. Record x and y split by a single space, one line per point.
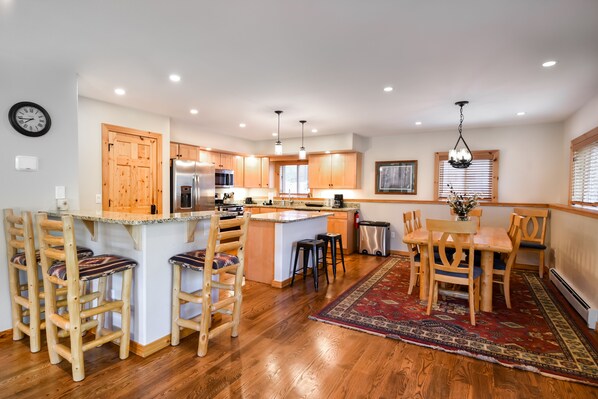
278 144
460 158
302 153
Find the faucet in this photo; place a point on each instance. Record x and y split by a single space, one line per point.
290 198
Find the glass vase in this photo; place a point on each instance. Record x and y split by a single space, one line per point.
463 217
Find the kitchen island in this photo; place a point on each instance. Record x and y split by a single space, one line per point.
271 243
151 240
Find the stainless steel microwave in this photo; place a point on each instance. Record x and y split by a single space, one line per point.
225 178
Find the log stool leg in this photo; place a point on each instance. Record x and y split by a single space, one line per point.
101 301
175 331
51 329
126 314
17 311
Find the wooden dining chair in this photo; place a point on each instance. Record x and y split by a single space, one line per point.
417 219
62 268
412 249
457 235
502 265
475 214
533 233
214 262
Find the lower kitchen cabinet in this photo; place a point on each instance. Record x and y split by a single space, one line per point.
342 223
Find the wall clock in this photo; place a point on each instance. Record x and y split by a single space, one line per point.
29 119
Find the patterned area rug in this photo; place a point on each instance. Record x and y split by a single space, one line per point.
535 335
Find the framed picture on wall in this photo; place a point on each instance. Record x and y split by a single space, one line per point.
396 177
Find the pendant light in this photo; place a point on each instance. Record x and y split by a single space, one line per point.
460 158
278 144
302 153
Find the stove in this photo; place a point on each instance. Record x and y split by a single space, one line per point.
233 208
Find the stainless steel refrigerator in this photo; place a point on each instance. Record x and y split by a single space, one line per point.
192 186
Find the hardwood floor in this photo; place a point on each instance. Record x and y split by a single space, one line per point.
279 353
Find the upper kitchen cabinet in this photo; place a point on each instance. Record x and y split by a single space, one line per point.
334 170
239 170
257 172
220 160
184 151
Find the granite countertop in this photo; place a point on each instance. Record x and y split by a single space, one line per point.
288 216
135 218
303 207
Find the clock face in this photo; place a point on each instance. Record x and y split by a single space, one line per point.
29 119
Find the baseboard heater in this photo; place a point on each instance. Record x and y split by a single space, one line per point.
589 314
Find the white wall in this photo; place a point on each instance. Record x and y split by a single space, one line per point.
92 113
56 91
574 238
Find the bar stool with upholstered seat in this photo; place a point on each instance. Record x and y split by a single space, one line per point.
224 254
332 239
60 267
22 257
308 247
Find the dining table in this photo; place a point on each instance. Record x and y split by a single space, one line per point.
487 240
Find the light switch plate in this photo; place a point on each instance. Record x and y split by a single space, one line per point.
60 192
98 198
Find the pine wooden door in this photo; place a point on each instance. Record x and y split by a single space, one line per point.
132 170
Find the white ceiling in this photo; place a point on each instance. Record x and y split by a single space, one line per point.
326 61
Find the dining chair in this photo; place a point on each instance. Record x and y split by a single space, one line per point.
417 219
412 249
475 214
533 233
216 261
458 235
501 270
62 268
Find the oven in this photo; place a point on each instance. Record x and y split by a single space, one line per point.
224 178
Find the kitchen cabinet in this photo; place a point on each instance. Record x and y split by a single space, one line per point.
184 151
220 160
342 223
257 172
239 170
334 170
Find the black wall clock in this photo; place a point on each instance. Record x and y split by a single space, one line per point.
29 119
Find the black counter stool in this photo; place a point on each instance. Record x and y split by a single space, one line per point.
333 239
311 246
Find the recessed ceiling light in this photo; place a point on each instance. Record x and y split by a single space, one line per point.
274 134
120 91
314 130
208 148
175 78
193 111
242 125
418 123
328 152
388 89
549 64
520 113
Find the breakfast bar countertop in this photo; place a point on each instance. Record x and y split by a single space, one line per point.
135 218
288 216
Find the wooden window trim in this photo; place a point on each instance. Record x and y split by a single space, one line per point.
493 155
578 143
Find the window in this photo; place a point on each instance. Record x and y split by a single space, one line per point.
293 179
481 177
584 169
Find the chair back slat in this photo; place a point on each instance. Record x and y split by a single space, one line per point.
417 219
408 227
533 226
515 240
454 234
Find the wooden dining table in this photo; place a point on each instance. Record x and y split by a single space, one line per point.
487 240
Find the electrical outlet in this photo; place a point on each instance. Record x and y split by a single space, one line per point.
98 198
393 234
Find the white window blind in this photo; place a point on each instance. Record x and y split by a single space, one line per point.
480 177
584 175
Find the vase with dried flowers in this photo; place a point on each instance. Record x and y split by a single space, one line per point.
461 204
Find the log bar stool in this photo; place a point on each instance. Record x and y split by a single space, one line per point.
61 267
218 259
332 239
311 246
22 256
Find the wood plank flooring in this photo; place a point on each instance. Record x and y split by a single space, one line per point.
279 354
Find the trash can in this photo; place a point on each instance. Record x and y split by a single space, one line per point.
374 238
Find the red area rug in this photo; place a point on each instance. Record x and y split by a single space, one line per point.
536 334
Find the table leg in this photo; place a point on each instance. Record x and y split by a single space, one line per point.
486 289
424 274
